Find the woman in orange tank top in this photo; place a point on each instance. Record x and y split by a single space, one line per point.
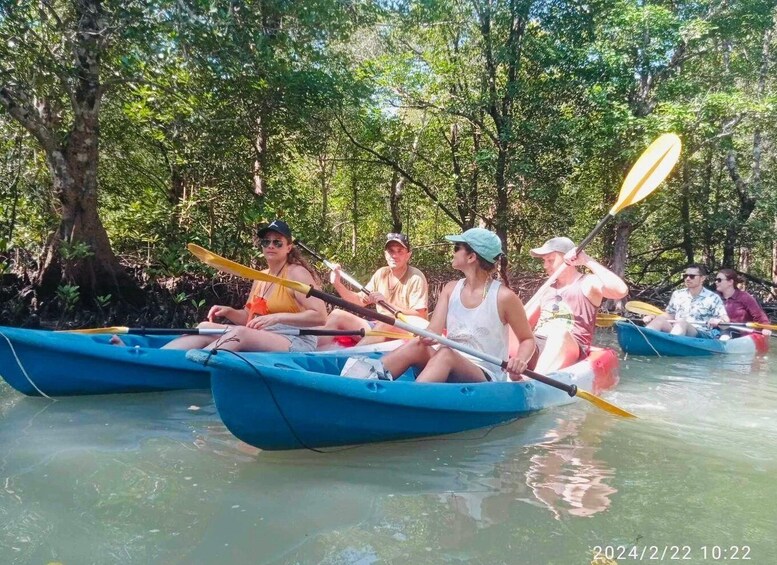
269 307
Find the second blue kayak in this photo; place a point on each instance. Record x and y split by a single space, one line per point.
639 340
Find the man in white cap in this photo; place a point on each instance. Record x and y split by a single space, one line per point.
565 316
399 284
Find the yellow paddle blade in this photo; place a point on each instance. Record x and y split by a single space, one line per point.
605 320
390 335
227 266
643 308
760 326
651 168
106 330
603 404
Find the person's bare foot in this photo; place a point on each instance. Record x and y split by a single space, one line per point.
116 340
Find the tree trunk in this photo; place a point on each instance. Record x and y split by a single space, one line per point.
774 261
355 214
260 162
620 249
685 214
72 157
395 196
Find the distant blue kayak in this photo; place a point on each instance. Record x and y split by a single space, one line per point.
64 364
292 401
639 340
42 362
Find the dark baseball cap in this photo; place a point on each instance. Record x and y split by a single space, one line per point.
278 226
400 238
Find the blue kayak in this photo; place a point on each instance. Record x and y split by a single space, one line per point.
42 362
38 362
639 340
292 401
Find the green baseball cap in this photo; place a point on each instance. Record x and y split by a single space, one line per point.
483 242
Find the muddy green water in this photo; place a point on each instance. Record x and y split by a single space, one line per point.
156 478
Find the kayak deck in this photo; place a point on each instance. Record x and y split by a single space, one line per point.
287 401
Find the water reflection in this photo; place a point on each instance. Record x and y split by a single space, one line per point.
558 472
566 475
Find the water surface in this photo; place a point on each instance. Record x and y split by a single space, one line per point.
156 478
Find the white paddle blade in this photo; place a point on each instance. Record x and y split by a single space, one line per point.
653 166
416 321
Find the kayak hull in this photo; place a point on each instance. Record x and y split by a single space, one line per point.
41 362
638 340
293 401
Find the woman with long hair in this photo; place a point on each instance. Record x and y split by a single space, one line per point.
269 307
740 305
477 311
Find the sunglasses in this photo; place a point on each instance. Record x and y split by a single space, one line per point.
720 280
464 246
277 243
690 276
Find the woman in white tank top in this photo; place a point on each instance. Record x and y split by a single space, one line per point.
477 311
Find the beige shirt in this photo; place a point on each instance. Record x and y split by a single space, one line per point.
411 292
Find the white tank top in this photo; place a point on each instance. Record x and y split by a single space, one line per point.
479 328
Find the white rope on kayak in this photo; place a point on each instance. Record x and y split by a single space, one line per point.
21 368
645 337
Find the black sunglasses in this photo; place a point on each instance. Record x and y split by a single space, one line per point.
690 276
278 243
464 246
720 280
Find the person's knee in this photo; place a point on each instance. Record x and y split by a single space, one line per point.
446 353
340 319
333 319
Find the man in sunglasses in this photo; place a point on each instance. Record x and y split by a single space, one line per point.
691 308
399 284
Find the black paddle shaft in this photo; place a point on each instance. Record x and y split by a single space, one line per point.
345 305
594 233
361 288
571 390
163 331
313 331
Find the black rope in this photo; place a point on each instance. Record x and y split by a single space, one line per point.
266 383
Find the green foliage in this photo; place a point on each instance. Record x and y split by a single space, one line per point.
68 296
75 251
359 117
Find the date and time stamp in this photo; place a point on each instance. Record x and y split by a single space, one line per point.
695 554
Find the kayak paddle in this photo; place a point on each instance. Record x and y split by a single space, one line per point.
645 175
753 325
123 330
415 320
643 308
225 265
744 327
606 320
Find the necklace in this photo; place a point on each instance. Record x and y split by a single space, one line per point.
486 286
267 288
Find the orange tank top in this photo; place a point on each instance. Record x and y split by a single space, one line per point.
271 298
